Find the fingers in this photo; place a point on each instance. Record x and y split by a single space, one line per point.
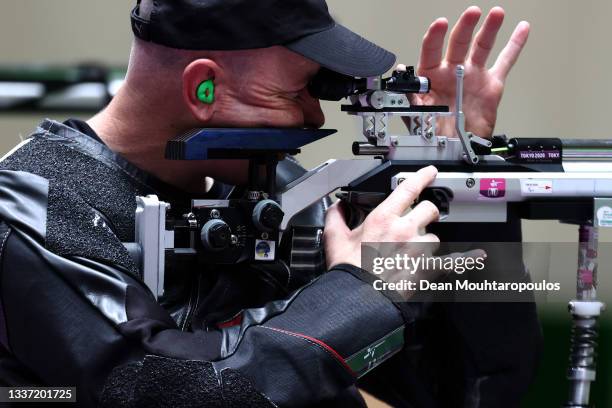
422 215
512 50
335 224
433 43
433 240
461 36
485 38
407 192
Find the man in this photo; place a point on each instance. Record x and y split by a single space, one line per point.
74 309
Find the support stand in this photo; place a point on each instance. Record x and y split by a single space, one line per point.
585 310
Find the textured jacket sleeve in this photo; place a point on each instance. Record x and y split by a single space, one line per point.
76 321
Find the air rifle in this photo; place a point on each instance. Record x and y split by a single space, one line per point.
545 178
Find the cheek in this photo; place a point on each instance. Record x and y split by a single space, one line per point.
268 109
287 114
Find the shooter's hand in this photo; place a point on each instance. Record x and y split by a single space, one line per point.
483 87
388 222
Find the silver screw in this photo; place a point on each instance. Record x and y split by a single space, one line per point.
319 236
264 235
470 182
191 219
381 135
443 142
215 214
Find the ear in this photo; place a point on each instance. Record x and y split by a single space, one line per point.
194 74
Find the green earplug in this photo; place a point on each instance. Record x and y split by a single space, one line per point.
206 91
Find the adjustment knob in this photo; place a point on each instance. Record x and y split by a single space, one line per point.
216 235
267 215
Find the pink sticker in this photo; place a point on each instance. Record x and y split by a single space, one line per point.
493 188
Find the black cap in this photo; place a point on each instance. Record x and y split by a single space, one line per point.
303 26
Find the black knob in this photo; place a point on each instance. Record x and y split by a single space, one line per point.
267 215
216 235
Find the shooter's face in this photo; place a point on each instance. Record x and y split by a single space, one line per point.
269 90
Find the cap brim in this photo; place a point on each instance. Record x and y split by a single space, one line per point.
345 52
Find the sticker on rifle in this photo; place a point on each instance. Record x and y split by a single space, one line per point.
264 250
493 188
541 155
604 217
536 186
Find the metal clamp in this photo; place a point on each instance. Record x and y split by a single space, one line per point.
466 138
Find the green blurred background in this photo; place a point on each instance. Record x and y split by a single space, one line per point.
560 87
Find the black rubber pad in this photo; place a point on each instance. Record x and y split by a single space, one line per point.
91 206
